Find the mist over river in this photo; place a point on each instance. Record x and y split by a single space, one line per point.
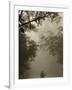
44 62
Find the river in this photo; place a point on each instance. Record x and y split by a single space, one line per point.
44 62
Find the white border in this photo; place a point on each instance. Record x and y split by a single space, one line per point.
14 82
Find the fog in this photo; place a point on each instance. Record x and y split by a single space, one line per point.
46 63
43 60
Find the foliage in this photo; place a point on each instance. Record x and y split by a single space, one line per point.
27 51
27 21
54 44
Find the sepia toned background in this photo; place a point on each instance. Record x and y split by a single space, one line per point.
40 44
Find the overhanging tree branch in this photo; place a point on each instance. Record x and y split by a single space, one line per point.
35 19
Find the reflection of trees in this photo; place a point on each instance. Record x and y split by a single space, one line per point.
27 51
28 20
54 43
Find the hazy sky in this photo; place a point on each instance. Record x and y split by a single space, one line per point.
45 27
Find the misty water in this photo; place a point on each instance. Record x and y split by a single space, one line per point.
44 62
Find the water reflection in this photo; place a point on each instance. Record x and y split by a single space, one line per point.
44 64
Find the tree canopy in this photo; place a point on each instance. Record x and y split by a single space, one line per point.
29 19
